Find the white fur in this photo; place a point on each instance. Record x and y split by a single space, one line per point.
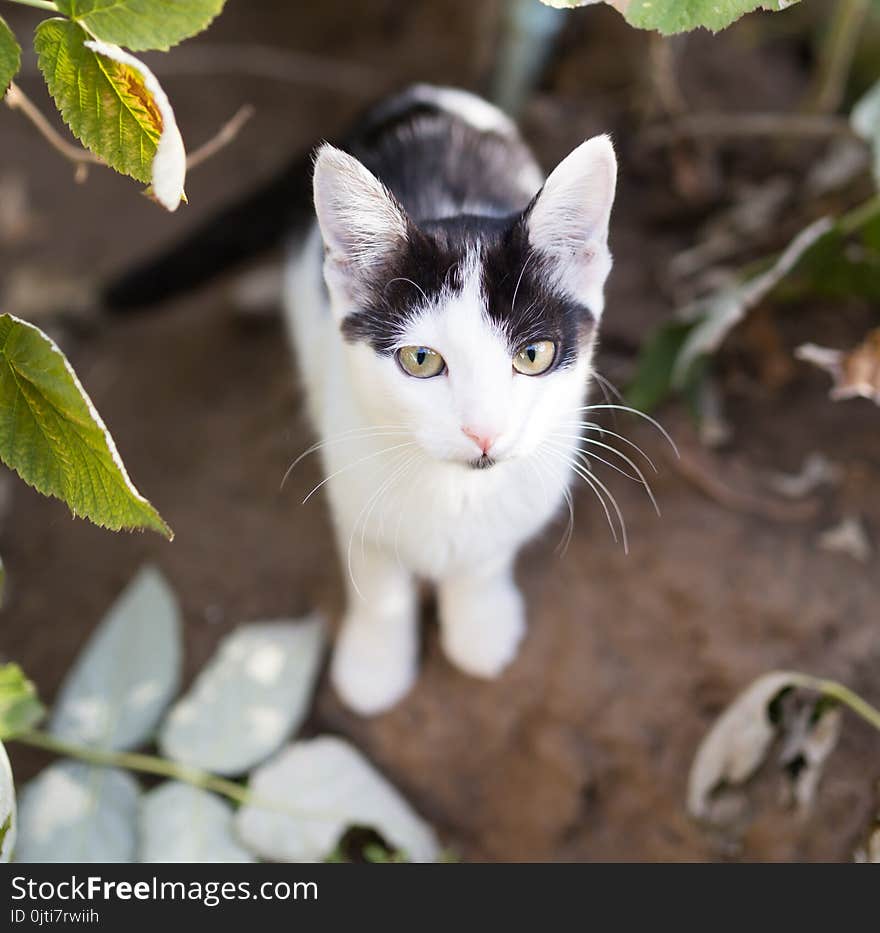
405 503
570 219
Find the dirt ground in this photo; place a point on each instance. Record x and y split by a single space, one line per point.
581 751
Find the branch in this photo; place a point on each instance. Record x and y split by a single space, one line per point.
81 158
16 99
226 135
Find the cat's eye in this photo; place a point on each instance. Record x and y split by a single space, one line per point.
421 362
535 357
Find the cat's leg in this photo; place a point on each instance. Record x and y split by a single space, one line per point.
374 661
482 618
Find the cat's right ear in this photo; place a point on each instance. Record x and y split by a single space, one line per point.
361 222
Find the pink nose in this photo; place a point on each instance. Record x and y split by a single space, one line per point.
483 440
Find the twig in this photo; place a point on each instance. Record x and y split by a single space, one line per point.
705 477
735 125
16 99
81 158
227 134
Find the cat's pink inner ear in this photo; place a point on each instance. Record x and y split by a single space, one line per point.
568 221
572 211
360 219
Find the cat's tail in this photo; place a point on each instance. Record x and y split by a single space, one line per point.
250 226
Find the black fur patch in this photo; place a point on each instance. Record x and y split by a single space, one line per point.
516 282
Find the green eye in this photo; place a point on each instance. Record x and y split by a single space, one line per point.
535 358
421 362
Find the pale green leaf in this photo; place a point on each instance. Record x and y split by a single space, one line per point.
128 672
182 823
8 820
254 693
52 436
20 708
10 56
115 106
323 787
74 812
143 24
865 121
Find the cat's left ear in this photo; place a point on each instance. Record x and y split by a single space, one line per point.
568 221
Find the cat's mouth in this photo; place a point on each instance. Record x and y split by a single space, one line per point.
482 463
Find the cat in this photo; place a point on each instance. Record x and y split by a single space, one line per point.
443 308
443 312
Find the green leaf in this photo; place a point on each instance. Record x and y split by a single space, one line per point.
52 436
255 692
20 708
10 57
128 672
115 106
652 383
672 16
74 812
143 24
7 808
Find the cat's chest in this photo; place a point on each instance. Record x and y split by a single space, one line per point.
438 518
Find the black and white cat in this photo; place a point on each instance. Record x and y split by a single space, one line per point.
443 312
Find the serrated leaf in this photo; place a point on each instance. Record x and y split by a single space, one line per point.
254 693
673 16
10 57
73 812
53 437
325 786
8 818
115 106
182 823
140 25
20 708
865 120
128 671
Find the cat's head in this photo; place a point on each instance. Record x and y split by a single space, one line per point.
475 333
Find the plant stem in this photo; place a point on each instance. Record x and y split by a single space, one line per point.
39 4
837 54
836 691
135 761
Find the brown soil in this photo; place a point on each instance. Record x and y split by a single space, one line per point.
581 751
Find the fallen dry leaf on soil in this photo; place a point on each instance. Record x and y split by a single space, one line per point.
848 537
737 743
855 372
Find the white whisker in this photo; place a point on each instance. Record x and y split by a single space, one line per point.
640 414
592 426
385 450
640 476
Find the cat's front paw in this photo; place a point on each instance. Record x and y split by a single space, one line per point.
374 665
480 631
